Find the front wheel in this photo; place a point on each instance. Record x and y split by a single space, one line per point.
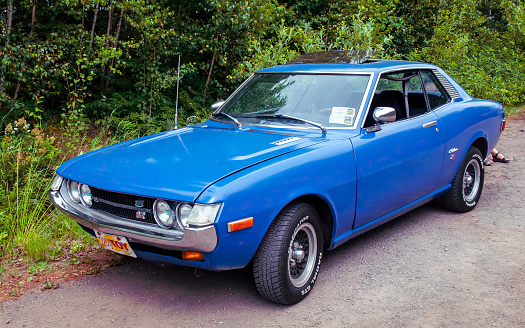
467 184
287 262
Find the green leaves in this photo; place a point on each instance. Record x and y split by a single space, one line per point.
56 65
487 63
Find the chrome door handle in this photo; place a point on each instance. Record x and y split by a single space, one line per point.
429 124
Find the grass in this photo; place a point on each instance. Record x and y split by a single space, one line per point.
35 238
30 227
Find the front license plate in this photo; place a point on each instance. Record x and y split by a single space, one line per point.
116 244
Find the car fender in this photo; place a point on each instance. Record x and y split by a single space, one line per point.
463 125
325 170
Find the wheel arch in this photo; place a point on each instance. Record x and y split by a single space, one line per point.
481 144
325 215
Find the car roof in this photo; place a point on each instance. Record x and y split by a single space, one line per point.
370 66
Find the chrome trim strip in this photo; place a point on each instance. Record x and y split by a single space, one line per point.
363 101
318 73
429 124
370 101
191 239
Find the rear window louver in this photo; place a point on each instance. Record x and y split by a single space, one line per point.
448 87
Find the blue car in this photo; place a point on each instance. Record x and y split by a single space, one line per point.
298 160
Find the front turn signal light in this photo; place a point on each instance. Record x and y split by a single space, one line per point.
240 224
192 256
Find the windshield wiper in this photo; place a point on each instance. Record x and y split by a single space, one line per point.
228 116
319 125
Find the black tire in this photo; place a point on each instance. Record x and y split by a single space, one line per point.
287 262
467 185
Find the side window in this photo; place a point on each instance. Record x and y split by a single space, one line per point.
405 92
435 92
416 98
387 83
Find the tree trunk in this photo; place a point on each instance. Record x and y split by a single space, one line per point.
8 33
30 37
328 25
211 68
114 46
103 68
93 28
33 19
109 22
151 87
83 14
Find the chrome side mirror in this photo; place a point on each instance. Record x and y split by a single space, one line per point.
384 114
217 105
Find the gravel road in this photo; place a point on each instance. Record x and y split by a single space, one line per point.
428 268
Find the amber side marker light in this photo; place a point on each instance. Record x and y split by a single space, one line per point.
192 256
240 224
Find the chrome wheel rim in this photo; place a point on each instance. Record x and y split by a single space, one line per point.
301 254
471 179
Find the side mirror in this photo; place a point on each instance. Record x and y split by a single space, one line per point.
384 114
217 105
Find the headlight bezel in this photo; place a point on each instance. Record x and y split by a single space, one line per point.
157 217
73 189
83 194
182 218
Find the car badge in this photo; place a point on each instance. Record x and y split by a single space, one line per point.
140 215
139 203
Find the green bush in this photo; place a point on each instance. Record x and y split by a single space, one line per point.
486 62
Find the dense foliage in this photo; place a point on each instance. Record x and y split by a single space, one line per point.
79 74
109 59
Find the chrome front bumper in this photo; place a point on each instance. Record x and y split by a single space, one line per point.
190 239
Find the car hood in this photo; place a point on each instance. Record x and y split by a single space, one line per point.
178 164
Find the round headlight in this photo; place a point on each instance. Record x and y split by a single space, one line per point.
163 213
74 191
85 193
184 211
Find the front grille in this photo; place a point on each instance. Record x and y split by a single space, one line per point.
123 205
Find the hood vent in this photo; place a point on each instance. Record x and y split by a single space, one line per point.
284 141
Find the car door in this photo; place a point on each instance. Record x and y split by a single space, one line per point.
397 165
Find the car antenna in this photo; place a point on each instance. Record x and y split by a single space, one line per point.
177 99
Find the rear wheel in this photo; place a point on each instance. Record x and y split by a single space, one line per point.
467 184
286 264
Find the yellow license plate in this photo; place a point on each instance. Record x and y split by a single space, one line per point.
116 244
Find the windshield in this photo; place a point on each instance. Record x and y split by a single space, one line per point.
271 99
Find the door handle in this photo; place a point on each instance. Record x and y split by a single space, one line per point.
429 124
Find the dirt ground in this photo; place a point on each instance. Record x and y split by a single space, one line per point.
428 268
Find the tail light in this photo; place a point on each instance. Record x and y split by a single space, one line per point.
503 125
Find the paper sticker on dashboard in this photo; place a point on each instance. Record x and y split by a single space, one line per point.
342 115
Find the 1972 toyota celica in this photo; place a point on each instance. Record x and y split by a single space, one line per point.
299 159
